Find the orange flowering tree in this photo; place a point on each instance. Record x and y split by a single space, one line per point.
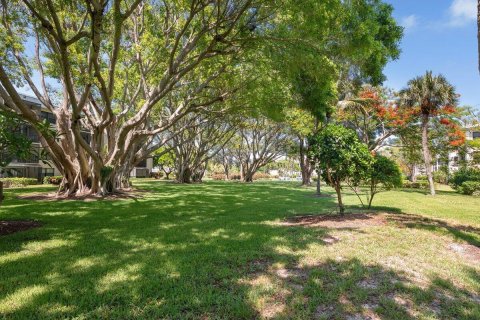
374 115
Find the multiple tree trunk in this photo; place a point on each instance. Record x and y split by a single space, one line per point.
259 142
203 138
113 92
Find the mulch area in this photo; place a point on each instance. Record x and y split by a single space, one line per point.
135 194
12 226
352 220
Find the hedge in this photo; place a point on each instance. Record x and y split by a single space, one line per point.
18 182
421 184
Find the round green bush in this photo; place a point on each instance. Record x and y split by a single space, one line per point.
463 175
470 187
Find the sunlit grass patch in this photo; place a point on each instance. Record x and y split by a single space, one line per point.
222 250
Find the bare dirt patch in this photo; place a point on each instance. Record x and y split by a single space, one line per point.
136 194
354 220
468 251
12 226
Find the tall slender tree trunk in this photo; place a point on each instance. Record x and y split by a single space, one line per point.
226 171
319 190
338 190
426 153
1 192
242 172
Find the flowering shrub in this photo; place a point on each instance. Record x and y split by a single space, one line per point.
56 180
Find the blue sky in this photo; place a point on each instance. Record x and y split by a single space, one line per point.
440 35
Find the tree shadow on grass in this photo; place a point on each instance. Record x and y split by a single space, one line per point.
469 234
183 252
350 289
177 254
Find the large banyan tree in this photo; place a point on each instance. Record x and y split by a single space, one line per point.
126 71
106 66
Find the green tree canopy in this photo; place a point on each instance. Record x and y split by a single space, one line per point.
341 157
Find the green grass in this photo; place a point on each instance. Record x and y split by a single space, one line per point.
219 251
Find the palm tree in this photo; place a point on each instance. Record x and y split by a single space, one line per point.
426 95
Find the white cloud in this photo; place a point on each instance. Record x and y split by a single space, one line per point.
409 22
462 12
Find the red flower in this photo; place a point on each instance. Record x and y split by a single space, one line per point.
445 121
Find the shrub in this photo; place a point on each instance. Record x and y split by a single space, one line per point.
440 177
156 175
463 175
235 177
56 180
18 182
261 176
385 174
422 177
470 188
415 185
218 176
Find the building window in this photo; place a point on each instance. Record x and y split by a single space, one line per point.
50 117
29 132
142 164
476 134
46 172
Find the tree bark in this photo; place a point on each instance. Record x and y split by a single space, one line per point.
184 175
413 173
319 190
305 165
426 153
338 190
1 192
248 178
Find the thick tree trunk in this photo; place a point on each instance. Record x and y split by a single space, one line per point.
184 175
247 173
426 153
305 165
248 177
198 175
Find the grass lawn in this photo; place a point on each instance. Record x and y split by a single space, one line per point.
223 251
